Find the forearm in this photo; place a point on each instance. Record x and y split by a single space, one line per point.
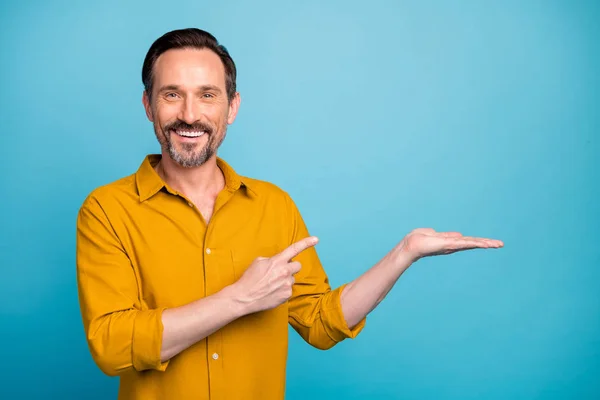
362 295
183 326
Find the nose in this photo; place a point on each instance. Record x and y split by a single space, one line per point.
190 110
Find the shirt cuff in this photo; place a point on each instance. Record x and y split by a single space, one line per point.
334 320
147 341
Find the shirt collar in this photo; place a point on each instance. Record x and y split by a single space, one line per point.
149 182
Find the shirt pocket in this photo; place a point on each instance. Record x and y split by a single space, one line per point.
243 257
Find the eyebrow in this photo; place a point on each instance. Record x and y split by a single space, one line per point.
202 88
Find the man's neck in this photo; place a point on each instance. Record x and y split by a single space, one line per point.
195 182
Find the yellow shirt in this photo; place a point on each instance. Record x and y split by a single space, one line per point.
142 247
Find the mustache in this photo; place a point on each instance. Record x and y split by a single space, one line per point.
196 126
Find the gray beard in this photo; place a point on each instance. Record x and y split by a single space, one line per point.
186 157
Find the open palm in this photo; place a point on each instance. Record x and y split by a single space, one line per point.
424 242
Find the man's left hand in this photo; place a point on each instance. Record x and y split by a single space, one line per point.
425 242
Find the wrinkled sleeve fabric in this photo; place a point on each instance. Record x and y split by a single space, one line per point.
121 334
315 311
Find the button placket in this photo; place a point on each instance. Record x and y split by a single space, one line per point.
215 366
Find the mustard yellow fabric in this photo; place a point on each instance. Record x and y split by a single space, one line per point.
142 247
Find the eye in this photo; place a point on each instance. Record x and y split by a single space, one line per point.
171 95
208 95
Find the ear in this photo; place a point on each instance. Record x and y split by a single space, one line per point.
234 106
147 107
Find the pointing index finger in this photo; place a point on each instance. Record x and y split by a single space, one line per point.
296 248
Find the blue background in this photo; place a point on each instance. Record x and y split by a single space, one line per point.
378 118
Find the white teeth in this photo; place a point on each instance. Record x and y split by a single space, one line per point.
190 134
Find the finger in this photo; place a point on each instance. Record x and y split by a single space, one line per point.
466 243
450 234
294 267
428 231
297 248
494 242
490 242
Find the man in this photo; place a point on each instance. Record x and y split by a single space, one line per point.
189 273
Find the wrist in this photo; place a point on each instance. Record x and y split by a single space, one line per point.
403 258
238 302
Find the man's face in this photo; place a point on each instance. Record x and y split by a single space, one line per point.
189 106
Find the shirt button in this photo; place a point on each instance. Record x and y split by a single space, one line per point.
215 356
207 251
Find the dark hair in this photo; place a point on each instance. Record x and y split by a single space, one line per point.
188 38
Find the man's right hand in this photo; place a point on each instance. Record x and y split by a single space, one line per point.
268 282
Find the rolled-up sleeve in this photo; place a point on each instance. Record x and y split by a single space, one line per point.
121 334
315 311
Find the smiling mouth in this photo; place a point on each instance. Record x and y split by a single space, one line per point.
188 134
